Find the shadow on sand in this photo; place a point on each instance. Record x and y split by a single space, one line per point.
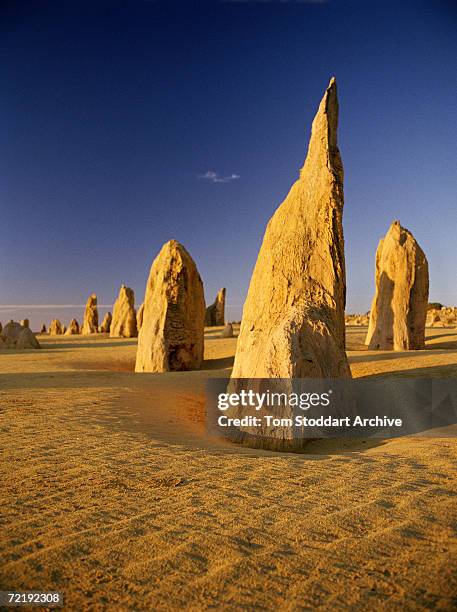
92 345
218 364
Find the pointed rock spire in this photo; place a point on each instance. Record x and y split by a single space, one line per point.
215 313
123 323
293 317
90 322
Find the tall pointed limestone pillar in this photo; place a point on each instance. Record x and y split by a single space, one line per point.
90 322
123 322
215 313
293 317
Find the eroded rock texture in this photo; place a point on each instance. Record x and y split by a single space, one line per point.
171 337
139 317
399 309
90 322
215 313
293 318
123 324
105 327
55 329
16 336
73 328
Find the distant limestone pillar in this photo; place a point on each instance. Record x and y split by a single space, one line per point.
55 329
215 313
293 317
399 309
139 317
123 323
90 323
73 328
171 336
105 327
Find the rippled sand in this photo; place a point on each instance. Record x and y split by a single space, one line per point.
113 493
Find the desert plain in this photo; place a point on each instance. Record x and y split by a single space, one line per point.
114 494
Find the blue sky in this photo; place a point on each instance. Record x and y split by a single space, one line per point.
125 124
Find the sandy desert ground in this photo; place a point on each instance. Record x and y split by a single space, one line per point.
113 493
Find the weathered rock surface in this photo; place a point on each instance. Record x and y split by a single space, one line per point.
293 318
356 319
215 313
55 329
139 317
123 324
105 327
90 322
443 317
171 337
399 309
27 340
14 335
11 333
73 328
227 332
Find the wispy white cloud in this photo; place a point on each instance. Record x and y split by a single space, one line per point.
214 177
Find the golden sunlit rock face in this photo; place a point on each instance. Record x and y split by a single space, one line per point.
139 317
55 329
90 322
171 336
123 324
105 327
73 328
293 318
399 309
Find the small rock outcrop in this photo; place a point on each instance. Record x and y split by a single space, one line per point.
14 335
293 317
227 332
105 327
55 329
399 309
11 333
25 323
171 337
358 320
73 328
139 317
43 329
90 322
446 316
123 324
215 313
27 340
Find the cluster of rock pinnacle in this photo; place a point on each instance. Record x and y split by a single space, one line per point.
293 323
